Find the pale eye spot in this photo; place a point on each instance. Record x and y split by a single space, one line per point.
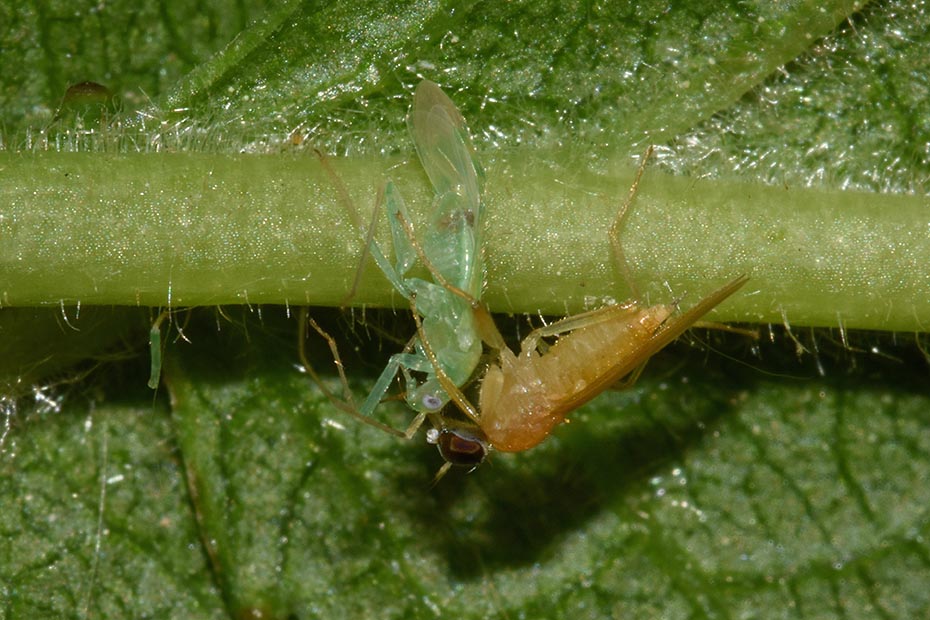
431 402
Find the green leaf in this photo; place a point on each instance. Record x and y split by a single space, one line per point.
96 519
782 479
707 490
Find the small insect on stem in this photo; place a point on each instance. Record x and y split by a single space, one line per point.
156 345
155 351
524 396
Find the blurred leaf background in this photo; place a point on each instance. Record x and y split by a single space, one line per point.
786 479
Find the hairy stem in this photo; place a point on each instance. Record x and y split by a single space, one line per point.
193 230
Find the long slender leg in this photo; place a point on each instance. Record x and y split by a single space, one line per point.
398 361
614 234
363 258
577 321
370 245
487 329
343 195
348 405
337 359
619 220
341 190
437 276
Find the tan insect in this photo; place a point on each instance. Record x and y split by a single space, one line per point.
524 396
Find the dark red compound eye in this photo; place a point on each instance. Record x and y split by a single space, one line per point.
462 447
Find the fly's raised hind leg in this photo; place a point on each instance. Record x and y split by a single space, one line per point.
577 321
347 404
619 220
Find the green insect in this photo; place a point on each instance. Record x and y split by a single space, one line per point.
450 246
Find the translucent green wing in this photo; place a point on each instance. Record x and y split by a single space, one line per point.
453 242
443 144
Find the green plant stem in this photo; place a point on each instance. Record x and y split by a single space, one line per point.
191 230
